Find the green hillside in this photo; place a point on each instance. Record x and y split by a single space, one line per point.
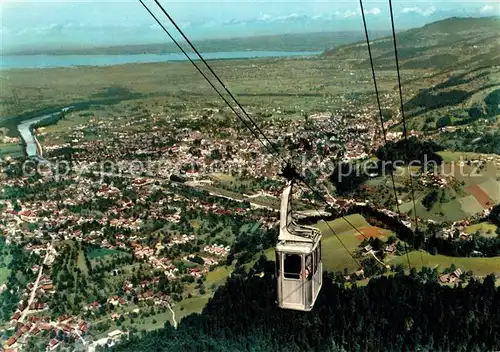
459 81
450 43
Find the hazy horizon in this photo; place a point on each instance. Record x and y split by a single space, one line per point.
70 24
70 48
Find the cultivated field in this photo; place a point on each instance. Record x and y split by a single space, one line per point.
471 189
479 266
291 83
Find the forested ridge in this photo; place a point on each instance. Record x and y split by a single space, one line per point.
399 313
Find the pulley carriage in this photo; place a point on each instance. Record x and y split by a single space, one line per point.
298 259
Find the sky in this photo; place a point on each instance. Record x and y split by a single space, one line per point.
92 23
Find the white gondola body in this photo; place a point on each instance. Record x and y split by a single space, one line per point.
298 260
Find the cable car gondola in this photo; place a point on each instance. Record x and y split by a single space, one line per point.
298 259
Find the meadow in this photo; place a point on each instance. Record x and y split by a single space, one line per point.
484 229
11 149
4 270
334 255
336 258
468 192
479 266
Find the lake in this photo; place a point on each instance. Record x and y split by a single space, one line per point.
50 61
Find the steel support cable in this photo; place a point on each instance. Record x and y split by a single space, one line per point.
405 130
236 101
384 132
205 77
208 66
322 198
215 75
336 235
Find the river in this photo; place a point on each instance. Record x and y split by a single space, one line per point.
28 137
52 61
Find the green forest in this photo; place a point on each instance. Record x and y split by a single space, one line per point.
404 312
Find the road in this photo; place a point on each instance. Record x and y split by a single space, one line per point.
79 336
100 342
193 184
173 315
35 287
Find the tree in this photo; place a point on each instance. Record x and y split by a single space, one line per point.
443 121
430 199
381 316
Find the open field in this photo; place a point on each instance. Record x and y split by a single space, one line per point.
468 193
492 188
485 229
481 196
190 305
97 253
334 255
472 175
197 302
451 211
71 121
99 256
373 232
470 205
340 225
218 276
449 156
304 86
480 266
153 322
223 177
4 270
11 149
156 321
4 275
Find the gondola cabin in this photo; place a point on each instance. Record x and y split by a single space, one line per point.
298 260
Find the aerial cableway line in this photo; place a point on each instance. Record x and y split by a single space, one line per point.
401 103
405 129
384 132
234 99
216 76
292 175
205 76
276 151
